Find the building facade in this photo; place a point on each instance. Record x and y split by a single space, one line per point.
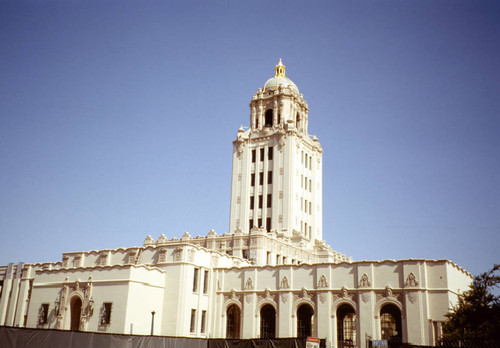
271 275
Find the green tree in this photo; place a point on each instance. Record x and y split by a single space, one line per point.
476 317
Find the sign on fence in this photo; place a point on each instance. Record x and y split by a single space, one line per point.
312 342
380 343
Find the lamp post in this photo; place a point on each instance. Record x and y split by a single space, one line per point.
152 322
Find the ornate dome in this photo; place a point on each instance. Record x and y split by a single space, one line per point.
279 79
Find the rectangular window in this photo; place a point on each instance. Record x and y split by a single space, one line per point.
261 178
203 320
305 182
254 155
192 327
261 154
106 315
252 179
310 185
246 254
195 279
268 224
301 203
310 163
302 157
270 153
260 202
205 282
44 314
302 181
260 222
269 200
306 161
269 177
252 199
250 224
268 257
310 208
277 259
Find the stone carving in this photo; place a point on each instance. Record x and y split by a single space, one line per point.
65 261
77 261
322 283
162 255
365 297
388 292
344 293
178 254
162 239
284 283
103 258
302 295
249 284
248 298
411 280
191 255
323 297
149 241
284 298
364 282
132 256
412 297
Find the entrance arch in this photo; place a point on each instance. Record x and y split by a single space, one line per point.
76 313
267 322
304 321
346 326
233 322
390 323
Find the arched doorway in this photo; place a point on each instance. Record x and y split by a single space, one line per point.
390 324
304 321
233 322
267 322
76 312
346 326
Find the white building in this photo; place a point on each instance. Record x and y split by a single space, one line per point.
272 275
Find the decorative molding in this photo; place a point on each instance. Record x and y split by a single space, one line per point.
411 280
323 296
178 254
162 255
284 298
322 283
365 297
249 284
412 297
284 283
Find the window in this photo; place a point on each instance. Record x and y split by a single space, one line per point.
304 321
269 200
305 182
297 120
268 258
269 118
310 163
260 202
261 154
305 205
390 323
246 254
269 177
302 181
254 154
252 179
261 178
44 314
310 185
301 203
267 322
279 118
310 208
302 157
252 200
270 153
106 313
195 279
305 161
205 282
192 327
203 320
268 224
250 224
233 322
260 222
346 326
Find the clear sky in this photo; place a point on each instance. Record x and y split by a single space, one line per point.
117 117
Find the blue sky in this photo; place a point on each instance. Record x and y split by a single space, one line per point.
117 117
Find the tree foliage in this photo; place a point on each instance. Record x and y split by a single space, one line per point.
476 317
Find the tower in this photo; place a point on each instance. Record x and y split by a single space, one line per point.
276 175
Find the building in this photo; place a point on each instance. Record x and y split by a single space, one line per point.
272 275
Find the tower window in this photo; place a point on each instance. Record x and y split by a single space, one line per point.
305 183
269 200
310 162
261 154
260 203
254 155
203 320
306 161
269 118
270 177
297 120
252 199
279 118
106 315
268 224
205 282
195 279
302 181
193 320
252 179
310 208
270 153
260 222
250 224
261 178
310 185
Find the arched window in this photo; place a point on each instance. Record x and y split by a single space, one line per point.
390 323
269 118
76 312
304 321
267 322
346 326
233 322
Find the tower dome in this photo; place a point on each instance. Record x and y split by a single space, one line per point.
279 79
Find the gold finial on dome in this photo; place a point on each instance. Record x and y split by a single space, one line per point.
280 70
